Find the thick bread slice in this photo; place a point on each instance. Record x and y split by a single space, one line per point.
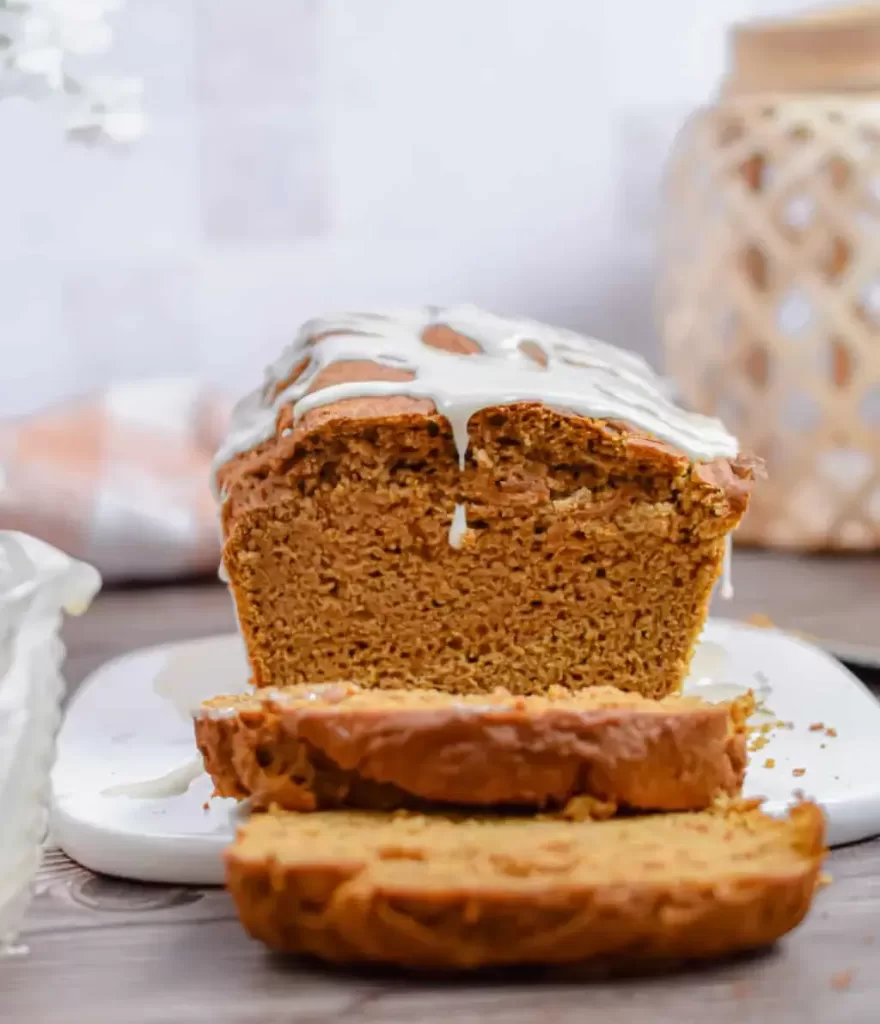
436 892
337 746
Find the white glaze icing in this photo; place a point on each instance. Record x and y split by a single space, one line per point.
711 678
579 375
458 526
215 714
330 693
727 569
173 783
710 661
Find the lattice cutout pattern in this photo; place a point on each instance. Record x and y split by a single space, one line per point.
769 302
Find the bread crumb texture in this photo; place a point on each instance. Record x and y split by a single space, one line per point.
589 556
593 752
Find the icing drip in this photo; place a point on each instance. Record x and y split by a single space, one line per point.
173 783
711 678
513 361
727 570
710 662
215 714
458 526
517 361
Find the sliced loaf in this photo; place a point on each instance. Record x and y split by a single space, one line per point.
436 892
309 748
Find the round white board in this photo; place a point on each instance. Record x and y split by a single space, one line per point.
128 792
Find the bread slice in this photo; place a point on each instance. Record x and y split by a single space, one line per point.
435 892
375 534
598 750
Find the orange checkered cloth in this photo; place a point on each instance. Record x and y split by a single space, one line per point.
120 479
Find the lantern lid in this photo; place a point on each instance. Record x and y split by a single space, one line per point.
836 50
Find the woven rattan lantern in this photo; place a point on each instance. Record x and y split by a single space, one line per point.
769 289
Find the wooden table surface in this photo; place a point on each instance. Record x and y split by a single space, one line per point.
111 952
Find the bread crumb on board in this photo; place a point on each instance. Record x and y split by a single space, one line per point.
759 735
761 621
586 808
842 980
770 762
741 989
798 772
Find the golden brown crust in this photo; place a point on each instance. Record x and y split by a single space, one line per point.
342 747
425 893
734 477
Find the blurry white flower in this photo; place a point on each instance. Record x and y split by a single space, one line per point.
84 9
115 90
109 106
37 37
45 61
36 30
84 37
125 126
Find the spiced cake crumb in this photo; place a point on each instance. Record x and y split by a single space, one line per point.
428 891
588 751
842 980
761 621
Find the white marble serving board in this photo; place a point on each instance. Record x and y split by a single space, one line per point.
128 792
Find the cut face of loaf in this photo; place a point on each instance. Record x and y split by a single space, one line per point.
583 552
591 753
432 892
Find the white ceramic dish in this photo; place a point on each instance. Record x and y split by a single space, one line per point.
128 796
36 583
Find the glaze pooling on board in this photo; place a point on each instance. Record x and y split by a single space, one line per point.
173 783
517 361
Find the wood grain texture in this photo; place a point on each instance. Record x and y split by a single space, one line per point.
104 951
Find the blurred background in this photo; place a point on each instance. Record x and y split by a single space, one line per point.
184 181
304 155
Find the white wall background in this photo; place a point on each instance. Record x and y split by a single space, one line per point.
306 155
